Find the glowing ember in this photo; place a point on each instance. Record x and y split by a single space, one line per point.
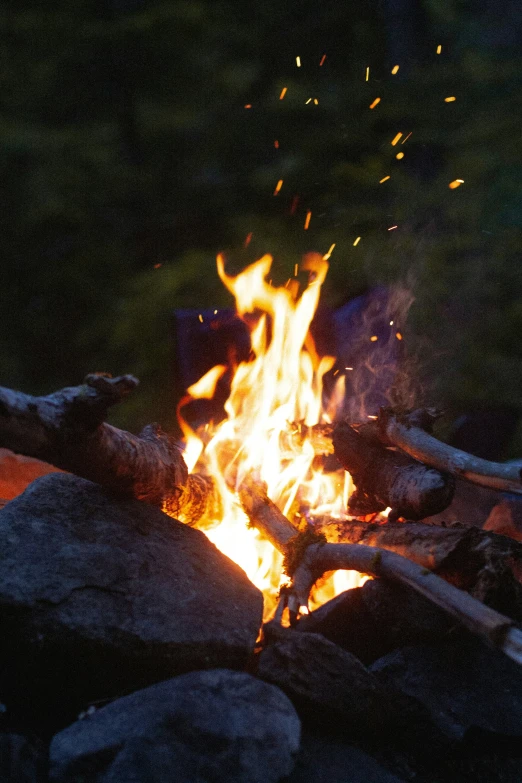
374 103
274 398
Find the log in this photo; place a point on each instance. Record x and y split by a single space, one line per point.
402 430
307 558
386 478
68 430
486 565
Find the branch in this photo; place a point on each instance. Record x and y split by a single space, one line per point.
389 478
496 629
67 429
306 560
401 431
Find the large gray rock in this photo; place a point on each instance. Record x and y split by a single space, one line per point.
202 727
100 596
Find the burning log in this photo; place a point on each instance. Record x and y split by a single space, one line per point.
389 478
68 430
308 557
408 432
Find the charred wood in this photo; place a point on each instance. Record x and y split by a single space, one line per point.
386 478
68 430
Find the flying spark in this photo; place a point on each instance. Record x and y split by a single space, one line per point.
375 102
248 238
323 58
396 139
298 61
200 317
373 338
327 255
278 187
406 137
400 155
398 335
450 99
439 48
384 179
456 184
395 69
296 269
276 144
283 93
367 73
307 219
308 101
391 228
357 241
248 105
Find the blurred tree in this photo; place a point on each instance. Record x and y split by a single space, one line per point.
125 144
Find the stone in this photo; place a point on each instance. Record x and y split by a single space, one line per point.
469 689
201 727
18 471
22 760
372 620
330 760
100 596
328 685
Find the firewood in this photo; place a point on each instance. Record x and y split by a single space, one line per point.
68 430
308 557
389 478
403 431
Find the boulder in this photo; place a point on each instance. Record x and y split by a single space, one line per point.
18 471
202 727
374 619
100 596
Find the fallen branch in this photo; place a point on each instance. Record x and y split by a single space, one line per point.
307 558
496 629
389 478
68 429
401 431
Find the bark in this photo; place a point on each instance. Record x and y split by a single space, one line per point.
67 429
402 431
386 478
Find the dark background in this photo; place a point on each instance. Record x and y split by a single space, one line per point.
128 160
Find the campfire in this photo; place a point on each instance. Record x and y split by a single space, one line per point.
274 412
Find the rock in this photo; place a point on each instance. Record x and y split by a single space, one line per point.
374 619
464 685
100 596
329 760
328 685
17 472
21 759
210 726
506 517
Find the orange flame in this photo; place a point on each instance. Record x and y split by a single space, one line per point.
281 385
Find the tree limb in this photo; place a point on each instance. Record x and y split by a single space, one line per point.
402 432
67 429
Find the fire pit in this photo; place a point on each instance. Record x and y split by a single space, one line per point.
310 502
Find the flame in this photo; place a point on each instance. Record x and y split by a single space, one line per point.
279 387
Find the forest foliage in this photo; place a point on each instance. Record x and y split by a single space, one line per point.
128 160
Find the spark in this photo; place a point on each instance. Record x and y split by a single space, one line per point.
298 61
308 101
303 610
200 317
398 335
456 184
400 155
372 417
375 102
307 219
391 323
391 228
215 312
248 238
323 58
330 251
157 266
367 73
283 93
348 368
248 105
373 338
396 139
450 99
295 202
384 179
439 48
296 269
276 144
395 69
316 102
278 187
406 138
357 241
